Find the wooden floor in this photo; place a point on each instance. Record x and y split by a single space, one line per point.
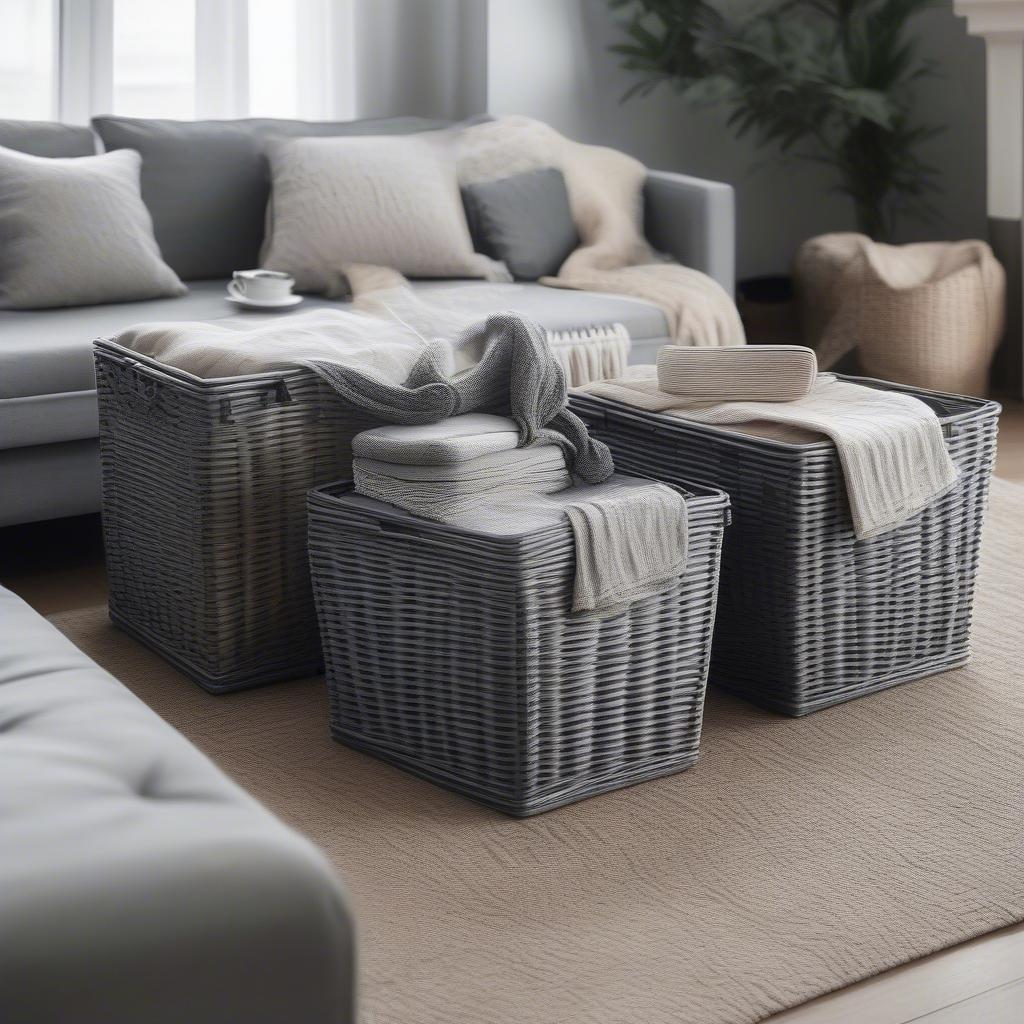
58 565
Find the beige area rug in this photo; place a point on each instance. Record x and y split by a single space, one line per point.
797 857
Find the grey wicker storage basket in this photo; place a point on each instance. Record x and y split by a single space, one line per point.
808 616
453 654
204 512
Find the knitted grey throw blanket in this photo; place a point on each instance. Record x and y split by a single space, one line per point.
516 376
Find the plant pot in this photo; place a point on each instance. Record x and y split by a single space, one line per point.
769 310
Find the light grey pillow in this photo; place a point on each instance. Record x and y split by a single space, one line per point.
387 200
523 220
75 232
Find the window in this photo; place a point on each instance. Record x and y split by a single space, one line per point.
154 72
273 59
28 59
72 59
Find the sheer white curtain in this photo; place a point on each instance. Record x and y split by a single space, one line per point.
315 59
202 58
28 59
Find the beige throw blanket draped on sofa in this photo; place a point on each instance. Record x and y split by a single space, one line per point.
605 194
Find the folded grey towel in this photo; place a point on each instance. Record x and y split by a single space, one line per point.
753 373
631 540
630 535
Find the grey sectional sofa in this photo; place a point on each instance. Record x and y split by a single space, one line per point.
206 186
137 883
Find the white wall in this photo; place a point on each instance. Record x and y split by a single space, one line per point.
549 59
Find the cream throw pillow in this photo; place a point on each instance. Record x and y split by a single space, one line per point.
388 200
75 232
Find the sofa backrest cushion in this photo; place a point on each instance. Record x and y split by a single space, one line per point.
47 138
207 183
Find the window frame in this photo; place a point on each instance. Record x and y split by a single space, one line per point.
83 64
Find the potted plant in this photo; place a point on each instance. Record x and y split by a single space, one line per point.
829 81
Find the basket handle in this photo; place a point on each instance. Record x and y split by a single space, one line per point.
383 528
144 385
277 393
404 530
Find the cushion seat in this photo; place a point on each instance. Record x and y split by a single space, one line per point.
47 390
137 882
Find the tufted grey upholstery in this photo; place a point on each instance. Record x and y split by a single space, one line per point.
137 883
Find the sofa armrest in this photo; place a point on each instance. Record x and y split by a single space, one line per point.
694 221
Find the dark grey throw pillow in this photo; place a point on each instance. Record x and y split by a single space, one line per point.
206 183
524 221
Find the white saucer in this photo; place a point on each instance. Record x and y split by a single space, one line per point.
240 300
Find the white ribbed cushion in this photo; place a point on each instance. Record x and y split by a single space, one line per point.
457 439
387 200
755 373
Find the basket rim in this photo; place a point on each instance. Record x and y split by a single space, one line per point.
342 495
109 349
978 408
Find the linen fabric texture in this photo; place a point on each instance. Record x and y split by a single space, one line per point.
391 201
75 232
890 446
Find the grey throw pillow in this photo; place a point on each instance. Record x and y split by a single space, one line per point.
75 232
524 221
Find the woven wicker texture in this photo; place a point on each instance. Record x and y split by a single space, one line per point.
808 616
452 654
929 314
204 512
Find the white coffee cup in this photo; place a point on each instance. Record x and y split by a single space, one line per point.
262 285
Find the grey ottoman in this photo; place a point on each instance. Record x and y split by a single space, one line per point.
137 883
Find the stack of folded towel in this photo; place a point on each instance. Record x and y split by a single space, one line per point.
450 471
471 471
890 445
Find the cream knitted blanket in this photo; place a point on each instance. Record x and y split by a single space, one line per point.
890 445
605 194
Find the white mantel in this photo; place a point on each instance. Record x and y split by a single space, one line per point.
1001 24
